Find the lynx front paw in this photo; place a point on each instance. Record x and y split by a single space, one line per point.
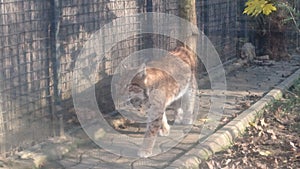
184 121
164 131
187 121
144 153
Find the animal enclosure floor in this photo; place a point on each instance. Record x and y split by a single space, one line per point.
245 85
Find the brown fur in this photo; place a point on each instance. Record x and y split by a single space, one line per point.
157 79
187 56
160 89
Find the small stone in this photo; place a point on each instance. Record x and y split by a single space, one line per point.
248 52
39 160
264 57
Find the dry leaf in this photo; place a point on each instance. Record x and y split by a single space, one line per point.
294 148
263 123
253 124
273 135
227 161
264 152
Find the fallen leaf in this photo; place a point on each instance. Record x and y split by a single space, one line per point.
263 123
260 165
227 161
210 165
294 148
245 161
226 167
252 124
264 152
273 135
276 161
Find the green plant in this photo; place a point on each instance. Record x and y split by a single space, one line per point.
256 7
270 20
293 16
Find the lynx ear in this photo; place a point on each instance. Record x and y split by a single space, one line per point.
142 70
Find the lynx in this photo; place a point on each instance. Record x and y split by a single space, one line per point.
154 89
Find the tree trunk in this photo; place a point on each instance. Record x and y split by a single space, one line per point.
187 10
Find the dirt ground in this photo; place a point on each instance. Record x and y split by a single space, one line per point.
273 141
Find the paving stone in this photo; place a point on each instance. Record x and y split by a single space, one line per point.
69 162
82 166
89 160
102 155
111 166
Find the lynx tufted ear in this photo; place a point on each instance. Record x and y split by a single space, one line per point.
140 77
142 70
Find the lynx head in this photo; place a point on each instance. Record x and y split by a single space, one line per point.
138 95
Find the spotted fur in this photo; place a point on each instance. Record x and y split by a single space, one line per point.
154 90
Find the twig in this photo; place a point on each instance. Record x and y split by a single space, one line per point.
292 15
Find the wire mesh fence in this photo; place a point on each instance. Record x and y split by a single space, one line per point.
25 88
218 19
41 40
76 22
255 29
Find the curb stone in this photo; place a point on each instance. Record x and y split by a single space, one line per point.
225 136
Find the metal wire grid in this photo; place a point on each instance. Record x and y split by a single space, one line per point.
247 31
25 86
77 22
74 22
32 67
218 20
169 7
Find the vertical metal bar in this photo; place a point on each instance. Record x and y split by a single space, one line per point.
53 31
149 6
53 98
297 6
206 16
2 95
149 42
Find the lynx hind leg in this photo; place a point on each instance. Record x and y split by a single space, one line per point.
184 107
184 113
176 106
188 104
165 127
178 112
188 108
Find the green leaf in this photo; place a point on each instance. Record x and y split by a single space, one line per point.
256 7
269 8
